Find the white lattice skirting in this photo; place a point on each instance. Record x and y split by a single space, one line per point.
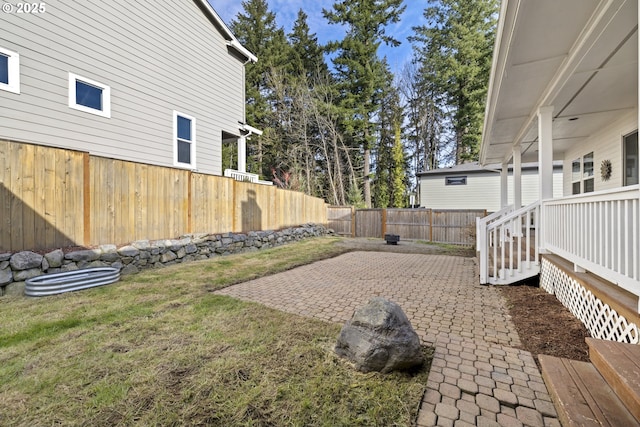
601 321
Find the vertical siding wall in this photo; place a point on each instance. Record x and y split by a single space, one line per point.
53 197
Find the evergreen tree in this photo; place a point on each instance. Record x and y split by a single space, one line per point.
256 29
307 56
398 171
454 51
390 181
359 70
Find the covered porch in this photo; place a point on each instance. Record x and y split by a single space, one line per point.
564 86
239 154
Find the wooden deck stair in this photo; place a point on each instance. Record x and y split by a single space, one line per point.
605 392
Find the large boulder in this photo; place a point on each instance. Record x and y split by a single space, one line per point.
380 338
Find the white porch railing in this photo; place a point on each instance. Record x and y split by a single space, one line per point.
245 176
507 245
482 223
598 232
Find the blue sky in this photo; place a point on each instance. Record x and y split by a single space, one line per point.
286 12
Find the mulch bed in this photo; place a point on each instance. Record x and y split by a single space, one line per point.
545 326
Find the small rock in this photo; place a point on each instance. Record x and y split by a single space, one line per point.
6 276
22 275
15 288
128 251
54 258
87 255
25 260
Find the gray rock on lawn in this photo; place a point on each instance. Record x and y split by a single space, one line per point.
380 338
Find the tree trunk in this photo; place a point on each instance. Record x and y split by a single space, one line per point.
366 180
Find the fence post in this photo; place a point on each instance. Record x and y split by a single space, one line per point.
190 203
384 223
86 198
431 225
234 202
353 221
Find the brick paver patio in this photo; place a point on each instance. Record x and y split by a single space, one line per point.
477 376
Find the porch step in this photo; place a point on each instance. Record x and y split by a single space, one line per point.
582 396
511 277
619 364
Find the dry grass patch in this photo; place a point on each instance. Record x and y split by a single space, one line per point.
159 348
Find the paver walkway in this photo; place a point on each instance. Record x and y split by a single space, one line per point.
477 376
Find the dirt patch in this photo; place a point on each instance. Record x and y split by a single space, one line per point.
544 325
405 246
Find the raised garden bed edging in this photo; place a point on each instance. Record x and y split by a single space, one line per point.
16 268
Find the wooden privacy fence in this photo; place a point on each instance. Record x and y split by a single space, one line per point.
433 225
53 197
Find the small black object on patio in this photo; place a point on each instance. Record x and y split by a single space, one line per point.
392 239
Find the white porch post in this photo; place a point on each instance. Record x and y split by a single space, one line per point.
504 186
545 152
517 176
242 154
545 168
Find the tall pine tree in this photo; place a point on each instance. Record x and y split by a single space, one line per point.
257 30
307 56
359 70
454 50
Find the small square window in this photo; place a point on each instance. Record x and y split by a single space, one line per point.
4 69
455 180
184 133
89 96
9 71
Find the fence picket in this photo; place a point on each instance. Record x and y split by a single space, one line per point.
43 201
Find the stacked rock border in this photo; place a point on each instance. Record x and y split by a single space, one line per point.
16 268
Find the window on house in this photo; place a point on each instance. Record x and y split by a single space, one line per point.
576 174
587 173
631 159
89 96
9 71
582 175
184 131
455 180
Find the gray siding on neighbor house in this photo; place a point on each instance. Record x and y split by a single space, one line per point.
156 57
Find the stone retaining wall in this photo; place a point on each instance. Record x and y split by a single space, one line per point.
17 267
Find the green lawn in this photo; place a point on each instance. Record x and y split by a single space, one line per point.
159 348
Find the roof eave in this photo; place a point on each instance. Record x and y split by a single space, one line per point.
232 41
506 22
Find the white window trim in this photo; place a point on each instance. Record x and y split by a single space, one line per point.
174 141
106 96
13 64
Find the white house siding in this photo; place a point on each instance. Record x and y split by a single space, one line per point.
482 190
156 57
606 145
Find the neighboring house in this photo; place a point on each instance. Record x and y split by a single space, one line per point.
564 86
471 186
160 83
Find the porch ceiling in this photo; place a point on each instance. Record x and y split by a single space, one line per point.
580 56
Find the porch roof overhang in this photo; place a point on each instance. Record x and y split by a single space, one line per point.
579 56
